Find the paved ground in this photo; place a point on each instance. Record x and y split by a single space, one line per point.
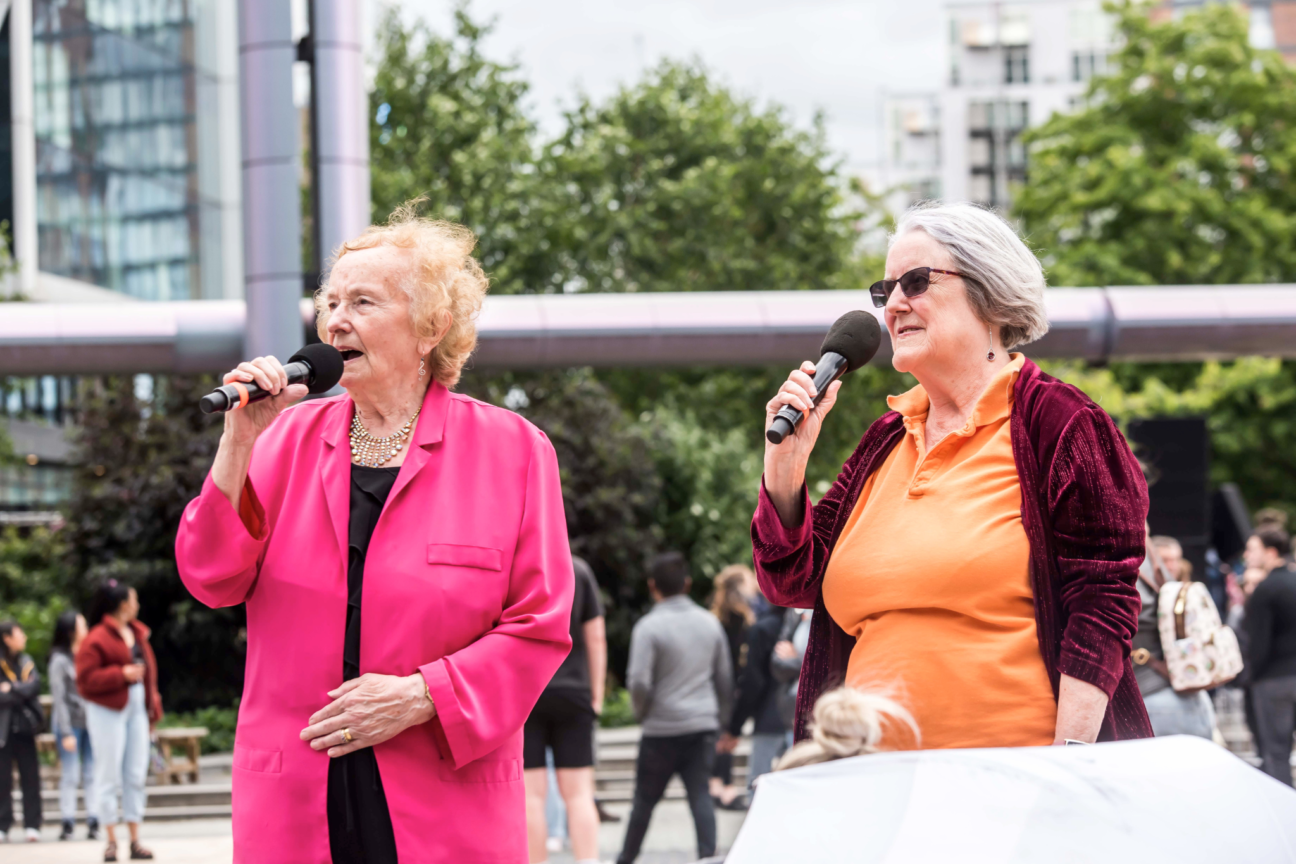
670 840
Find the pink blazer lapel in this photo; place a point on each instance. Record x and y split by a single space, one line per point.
429 431
335 471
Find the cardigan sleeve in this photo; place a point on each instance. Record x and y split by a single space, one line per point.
1098 503
791 560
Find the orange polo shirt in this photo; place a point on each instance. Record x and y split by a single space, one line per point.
931 576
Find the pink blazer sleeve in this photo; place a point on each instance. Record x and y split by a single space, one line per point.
483 693
219 550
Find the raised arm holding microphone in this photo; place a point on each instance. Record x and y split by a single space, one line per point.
976 558
403 554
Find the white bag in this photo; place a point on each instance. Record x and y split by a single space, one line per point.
1200 651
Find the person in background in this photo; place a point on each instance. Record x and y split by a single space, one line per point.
679 677
1171 713
1172 557
735 594
1271 645
564 719
758 697
69 726
116 674
20 721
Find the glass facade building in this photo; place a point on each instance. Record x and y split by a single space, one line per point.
128 146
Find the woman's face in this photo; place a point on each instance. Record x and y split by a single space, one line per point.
369 320
936 332
128 611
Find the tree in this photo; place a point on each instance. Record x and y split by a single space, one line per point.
141 458
450 126
1179 170
676 184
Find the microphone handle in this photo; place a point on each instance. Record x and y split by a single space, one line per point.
830 367
230 397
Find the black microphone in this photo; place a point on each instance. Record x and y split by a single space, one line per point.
318 366
851 342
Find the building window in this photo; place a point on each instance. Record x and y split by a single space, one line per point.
996 154
126 159
1017 65
1086 64
1262 27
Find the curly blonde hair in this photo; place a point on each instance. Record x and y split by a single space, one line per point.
846 723
444 280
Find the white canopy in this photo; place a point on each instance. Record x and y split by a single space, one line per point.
1177 799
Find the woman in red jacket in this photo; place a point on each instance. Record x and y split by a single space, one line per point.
117 676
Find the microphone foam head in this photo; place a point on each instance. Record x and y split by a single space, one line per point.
325 362
855 336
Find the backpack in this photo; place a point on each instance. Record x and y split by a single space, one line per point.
1200 651
786 674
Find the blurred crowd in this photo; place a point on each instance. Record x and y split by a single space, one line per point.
104 703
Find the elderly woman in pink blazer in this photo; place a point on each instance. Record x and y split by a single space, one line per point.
402 551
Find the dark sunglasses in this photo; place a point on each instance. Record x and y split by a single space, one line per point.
913 283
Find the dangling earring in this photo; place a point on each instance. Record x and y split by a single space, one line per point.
422 366
991 355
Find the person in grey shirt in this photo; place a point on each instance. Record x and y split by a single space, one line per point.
69 725
681 684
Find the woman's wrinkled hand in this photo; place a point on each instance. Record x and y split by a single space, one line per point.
785 463
243 425
373 708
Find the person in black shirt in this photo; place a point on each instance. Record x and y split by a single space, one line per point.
1271 647
563 719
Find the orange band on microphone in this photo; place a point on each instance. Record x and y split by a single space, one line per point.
243 393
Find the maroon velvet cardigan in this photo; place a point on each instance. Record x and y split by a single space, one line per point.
1084 505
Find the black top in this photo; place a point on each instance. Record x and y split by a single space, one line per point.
572 676
1271 626
757 690
360 828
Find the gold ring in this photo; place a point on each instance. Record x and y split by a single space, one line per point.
346 736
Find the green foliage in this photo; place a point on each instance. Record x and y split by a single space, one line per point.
617 710
450 125
1250 410
219 722
141 462
31 565
1180 168
675 184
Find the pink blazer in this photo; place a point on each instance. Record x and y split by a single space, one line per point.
468 580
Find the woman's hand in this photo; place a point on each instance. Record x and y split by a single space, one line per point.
1081 708
133 673
69 744
373 708
785 463
244 425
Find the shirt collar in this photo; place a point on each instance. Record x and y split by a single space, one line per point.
995 403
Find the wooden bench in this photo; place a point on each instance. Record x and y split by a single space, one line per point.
180 749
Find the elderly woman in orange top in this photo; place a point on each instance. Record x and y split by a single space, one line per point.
977 556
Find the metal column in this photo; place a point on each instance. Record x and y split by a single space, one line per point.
341 116
272 225
22 110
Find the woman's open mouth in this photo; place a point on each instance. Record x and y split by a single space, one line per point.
349 354
907 330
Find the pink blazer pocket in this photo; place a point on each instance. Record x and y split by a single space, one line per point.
260 761
481 771
481 557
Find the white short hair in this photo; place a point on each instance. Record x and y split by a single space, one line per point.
1005 282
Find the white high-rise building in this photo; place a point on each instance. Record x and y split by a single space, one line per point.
1010 67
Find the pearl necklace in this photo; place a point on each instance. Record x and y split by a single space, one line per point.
372 452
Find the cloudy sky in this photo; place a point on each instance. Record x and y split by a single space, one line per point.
828 55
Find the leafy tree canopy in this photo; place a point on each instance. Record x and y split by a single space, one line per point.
1179 170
